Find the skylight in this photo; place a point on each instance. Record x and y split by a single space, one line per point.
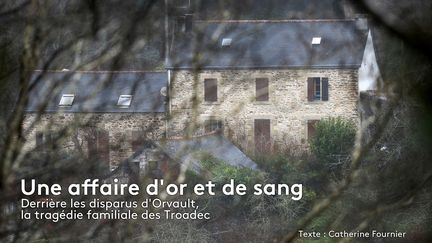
316 40
124 101
226 41
67 100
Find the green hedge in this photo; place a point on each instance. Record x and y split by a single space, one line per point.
333 140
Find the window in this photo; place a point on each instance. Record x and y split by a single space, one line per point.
181 24
226 42
124 101
67 100
316 40
135 167
137 141
262 89
213 125
317 89
210 90
311 126
45 141
39 139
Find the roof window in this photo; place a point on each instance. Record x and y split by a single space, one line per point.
226 42
67 100
316 40
124 101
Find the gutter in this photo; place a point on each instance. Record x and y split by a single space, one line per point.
350 66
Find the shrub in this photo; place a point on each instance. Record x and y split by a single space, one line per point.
220 171
333 140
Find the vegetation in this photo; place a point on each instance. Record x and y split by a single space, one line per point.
249 217
333 143
385 184
334 137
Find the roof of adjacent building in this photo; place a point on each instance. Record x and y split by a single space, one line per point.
189 151
97 91
259 44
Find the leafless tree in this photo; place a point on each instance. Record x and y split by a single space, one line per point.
95 36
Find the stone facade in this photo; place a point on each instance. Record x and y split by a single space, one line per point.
288 107
80 131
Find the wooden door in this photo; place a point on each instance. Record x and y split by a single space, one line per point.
98 146
262 136
103 146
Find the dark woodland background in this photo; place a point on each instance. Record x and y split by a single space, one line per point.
384 189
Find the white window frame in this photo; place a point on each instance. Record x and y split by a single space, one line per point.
226 42
316 40
213 122
127 101
67 100
320 91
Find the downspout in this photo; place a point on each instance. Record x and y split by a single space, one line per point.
168 113
166 33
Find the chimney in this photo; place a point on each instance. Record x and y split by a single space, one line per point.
347 8
180 23
183 18
184 23
188 22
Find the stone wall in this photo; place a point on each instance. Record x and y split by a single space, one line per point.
75 129
288 110
288 106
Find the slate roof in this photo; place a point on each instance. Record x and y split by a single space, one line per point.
271 44
98 91
188 151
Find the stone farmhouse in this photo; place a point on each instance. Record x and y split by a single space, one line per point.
260 84
107 115
265 83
